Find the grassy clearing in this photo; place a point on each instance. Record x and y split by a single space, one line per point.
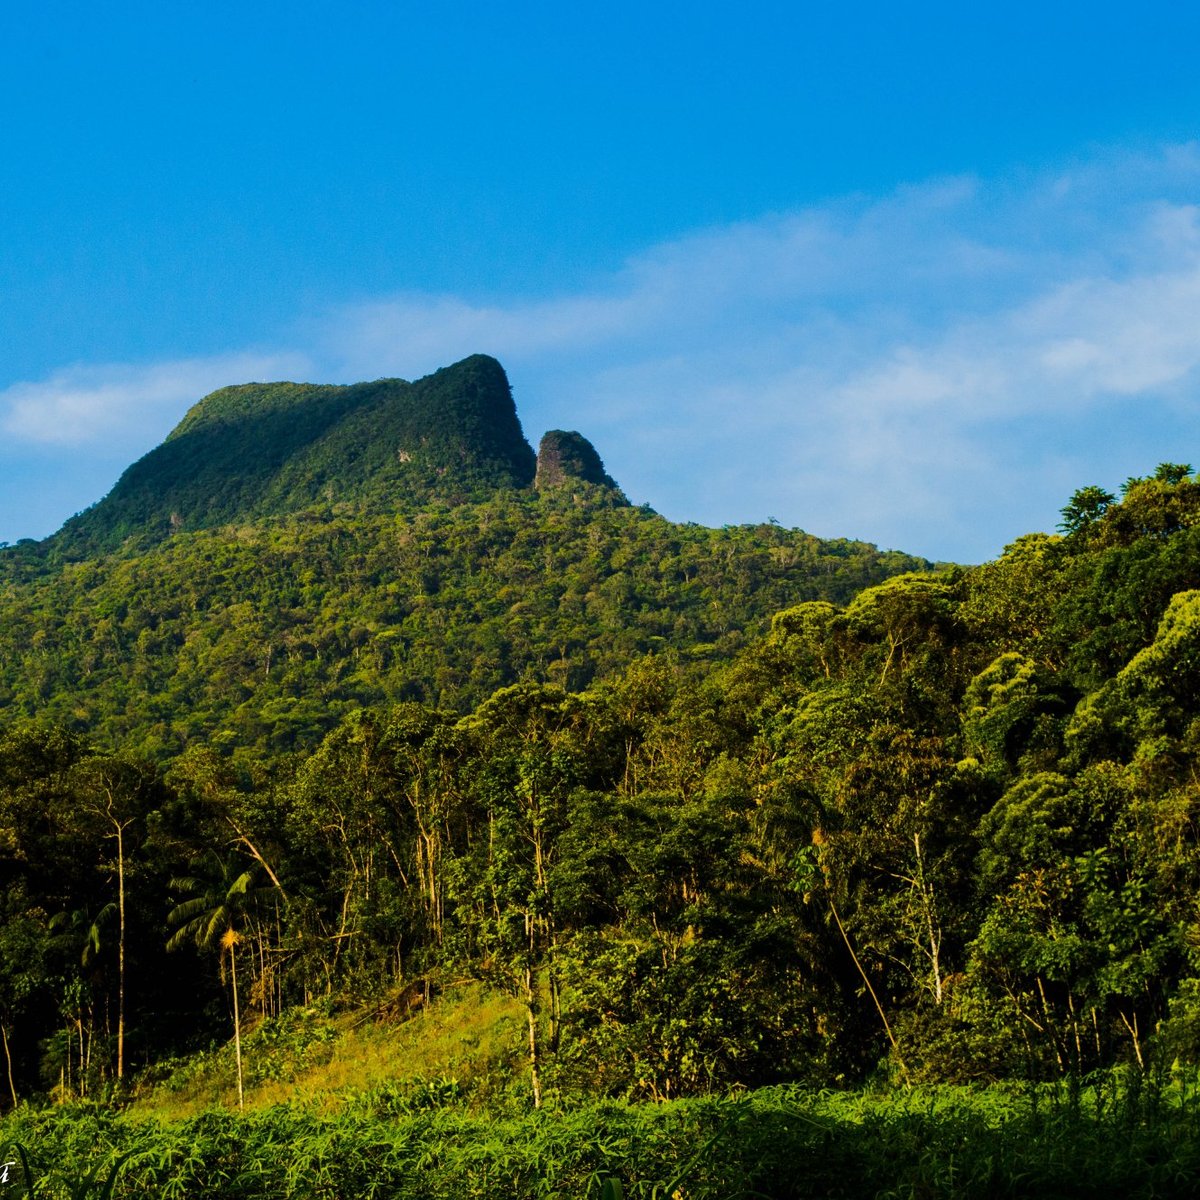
469 1036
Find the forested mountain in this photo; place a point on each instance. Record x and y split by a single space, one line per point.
944 827
263 450
292 553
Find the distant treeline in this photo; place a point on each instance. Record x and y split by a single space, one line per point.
261 635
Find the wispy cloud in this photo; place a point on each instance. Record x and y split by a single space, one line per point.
82 405
935 369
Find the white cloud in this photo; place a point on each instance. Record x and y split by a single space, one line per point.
935 369
82 405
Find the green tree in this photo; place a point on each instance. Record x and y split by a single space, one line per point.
1084 509
117 792
530 758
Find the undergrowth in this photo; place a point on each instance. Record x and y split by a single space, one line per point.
1118 1134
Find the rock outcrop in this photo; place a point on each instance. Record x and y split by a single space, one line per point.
566 457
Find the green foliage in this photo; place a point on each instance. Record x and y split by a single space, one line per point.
1116 1136
262 636
706 810
92 1184
1001 708
1085 508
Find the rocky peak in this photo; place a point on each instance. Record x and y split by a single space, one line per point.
566 457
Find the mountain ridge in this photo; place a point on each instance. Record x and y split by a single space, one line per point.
258 450
292 552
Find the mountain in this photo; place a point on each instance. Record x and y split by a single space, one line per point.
294 552
945 832
266 449
713 812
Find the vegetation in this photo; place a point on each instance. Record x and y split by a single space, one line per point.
262 450
931 833
1132 1139
947 827
260 636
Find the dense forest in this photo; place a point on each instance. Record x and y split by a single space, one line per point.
946 827
262 635
716 809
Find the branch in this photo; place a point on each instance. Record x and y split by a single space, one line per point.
241 837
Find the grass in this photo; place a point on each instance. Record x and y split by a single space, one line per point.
343 1107
310 1056
1121 1135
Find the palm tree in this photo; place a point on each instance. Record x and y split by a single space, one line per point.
222 896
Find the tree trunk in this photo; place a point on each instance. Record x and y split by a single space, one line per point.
119 826
1133 1033
531 1008
120 951
237 1025
887 1028
555 1006
12 1087
933 927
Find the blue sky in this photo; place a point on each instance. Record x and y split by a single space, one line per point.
905 273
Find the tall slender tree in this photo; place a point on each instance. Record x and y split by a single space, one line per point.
117 792
222 901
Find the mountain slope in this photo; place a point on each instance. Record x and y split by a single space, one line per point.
292 552
261 450
264 634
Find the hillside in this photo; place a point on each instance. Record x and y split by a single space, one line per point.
290 554
944 830
262 450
